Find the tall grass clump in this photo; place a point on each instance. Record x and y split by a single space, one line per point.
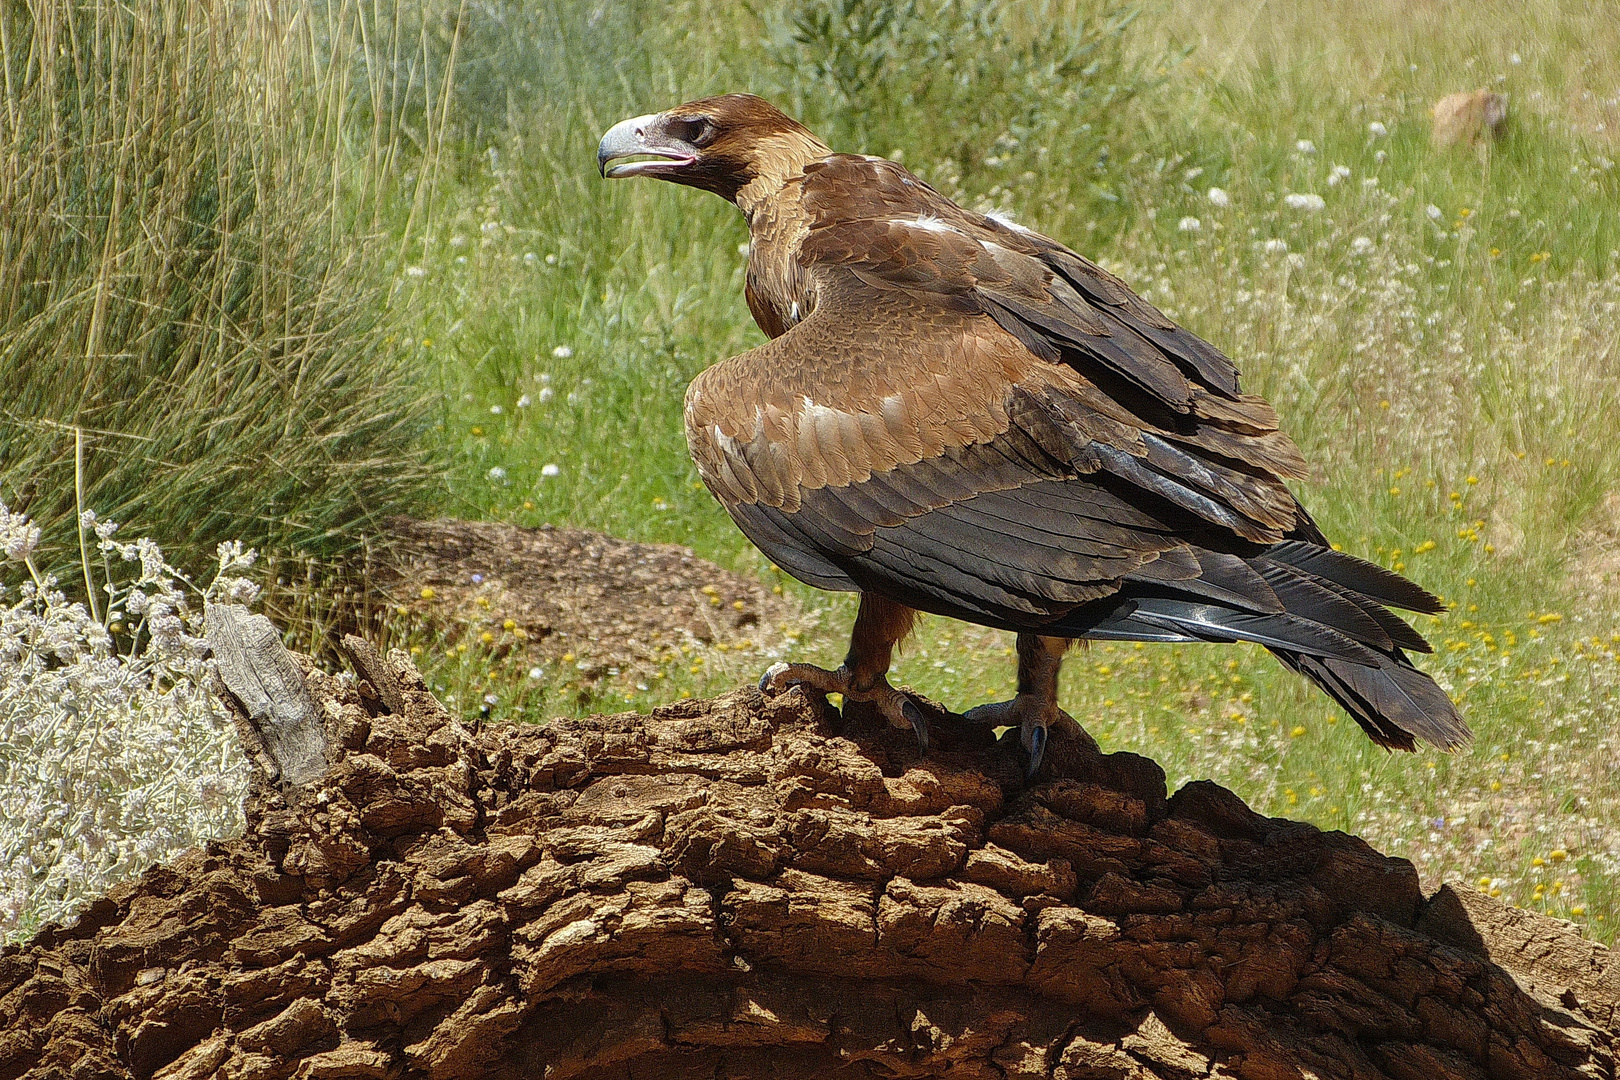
194 267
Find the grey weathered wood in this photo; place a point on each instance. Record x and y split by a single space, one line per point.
368 662
261 674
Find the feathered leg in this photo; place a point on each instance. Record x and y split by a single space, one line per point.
1040 658
880 625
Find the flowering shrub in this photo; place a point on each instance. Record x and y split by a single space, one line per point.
113 751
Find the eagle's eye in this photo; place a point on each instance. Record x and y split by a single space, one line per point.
694 131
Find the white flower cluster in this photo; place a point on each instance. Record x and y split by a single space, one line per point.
113 751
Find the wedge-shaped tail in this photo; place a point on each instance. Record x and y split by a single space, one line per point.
1319 611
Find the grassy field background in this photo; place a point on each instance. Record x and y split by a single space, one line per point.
1441 336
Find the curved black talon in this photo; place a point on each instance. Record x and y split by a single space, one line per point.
770 672
1037 750
919 725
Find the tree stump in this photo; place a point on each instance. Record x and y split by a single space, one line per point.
743 888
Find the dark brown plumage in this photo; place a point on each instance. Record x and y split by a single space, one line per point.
961 416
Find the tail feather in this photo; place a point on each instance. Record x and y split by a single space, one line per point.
1397 629
1200 621
1370 579
1393 702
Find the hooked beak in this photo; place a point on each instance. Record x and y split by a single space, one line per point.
642 138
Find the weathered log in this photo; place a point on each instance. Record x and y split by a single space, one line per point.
265 687
738 888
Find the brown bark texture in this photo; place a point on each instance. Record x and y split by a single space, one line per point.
750 888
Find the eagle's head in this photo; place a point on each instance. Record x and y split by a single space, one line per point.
720 144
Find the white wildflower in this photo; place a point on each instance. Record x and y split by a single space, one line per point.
415 271
530 258
1189 224
233 556
546 394
495 410
1377 130
1192 174
1219 197
549 469
1361 245
497 474
1515 58
562 352
1338 174
18 537
461 260
1297 261
551 260
1381 157
525 401
167 632
113 755
237 590
1434 212
1274 247
1310 203
1305 146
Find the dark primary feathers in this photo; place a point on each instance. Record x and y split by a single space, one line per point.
968 418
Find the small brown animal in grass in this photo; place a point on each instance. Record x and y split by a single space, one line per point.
1470 119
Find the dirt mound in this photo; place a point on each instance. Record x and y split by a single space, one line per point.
608 606
741 888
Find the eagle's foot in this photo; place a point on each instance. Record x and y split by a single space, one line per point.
892 704
1031 714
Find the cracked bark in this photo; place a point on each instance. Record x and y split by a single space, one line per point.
736 888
